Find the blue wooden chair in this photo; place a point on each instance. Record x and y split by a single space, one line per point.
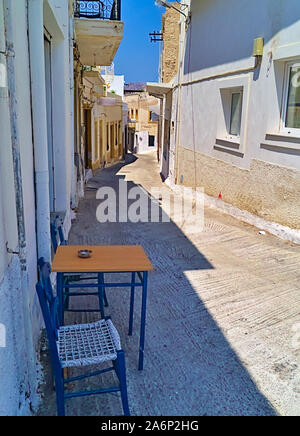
78 346
57 237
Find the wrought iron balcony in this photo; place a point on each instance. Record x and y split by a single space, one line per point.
98 9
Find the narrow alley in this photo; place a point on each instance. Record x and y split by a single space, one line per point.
149 173
221 313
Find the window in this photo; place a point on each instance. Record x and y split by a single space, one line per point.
231 113
150 116
136 114
236 113
291 113
151 141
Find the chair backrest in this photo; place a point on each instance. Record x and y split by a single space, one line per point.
49 307
56 228
61 235
53 233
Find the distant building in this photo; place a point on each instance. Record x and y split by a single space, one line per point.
143 113
102 127
143 118
114 84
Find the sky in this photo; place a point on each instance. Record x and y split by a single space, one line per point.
137 58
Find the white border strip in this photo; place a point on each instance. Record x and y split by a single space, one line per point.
275 229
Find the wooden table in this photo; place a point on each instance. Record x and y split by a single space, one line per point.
106 259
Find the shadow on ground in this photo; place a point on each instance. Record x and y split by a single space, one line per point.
190 367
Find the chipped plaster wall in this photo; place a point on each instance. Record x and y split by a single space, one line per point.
19 373
20 315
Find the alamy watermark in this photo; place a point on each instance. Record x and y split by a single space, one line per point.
296 77
134 204
2 336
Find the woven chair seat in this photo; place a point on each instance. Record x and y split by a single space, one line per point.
88 344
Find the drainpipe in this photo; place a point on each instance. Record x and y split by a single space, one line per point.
15 141
39 123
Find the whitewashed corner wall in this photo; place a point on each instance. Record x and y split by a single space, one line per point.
20 317
18 357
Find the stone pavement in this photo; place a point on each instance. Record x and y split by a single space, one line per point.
223 322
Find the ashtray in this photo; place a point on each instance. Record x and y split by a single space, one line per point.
84 254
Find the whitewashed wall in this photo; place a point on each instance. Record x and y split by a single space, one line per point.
20 315
220 40
259 171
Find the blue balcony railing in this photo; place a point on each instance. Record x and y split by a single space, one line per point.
98 9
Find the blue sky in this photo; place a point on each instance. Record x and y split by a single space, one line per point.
137 58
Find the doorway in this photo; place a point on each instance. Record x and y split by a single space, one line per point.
112 140
151 141
87 138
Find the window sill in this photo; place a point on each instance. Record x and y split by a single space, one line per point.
283 136
229 141
282 142
229 145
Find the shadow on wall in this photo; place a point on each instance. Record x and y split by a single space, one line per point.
223 32
191 368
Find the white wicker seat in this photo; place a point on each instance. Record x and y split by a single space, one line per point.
88 344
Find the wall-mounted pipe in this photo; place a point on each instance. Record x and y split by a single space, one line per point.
39 122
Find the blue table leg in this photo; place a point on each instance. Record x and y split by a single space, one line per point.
60 295
101 293
131 304
143 320
104 295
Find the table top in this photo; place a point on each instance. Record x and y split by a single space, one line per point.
104 258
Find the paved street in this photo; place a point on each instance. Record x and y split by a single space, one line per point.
223 320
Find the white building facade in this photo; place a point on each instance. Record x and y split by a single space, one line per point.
36 169
233 108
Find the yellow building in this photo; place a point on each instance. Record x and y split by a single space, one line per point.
97 114
143 118
101 123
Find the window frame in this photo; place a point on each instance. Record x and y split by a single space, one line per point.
231 93
291 131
